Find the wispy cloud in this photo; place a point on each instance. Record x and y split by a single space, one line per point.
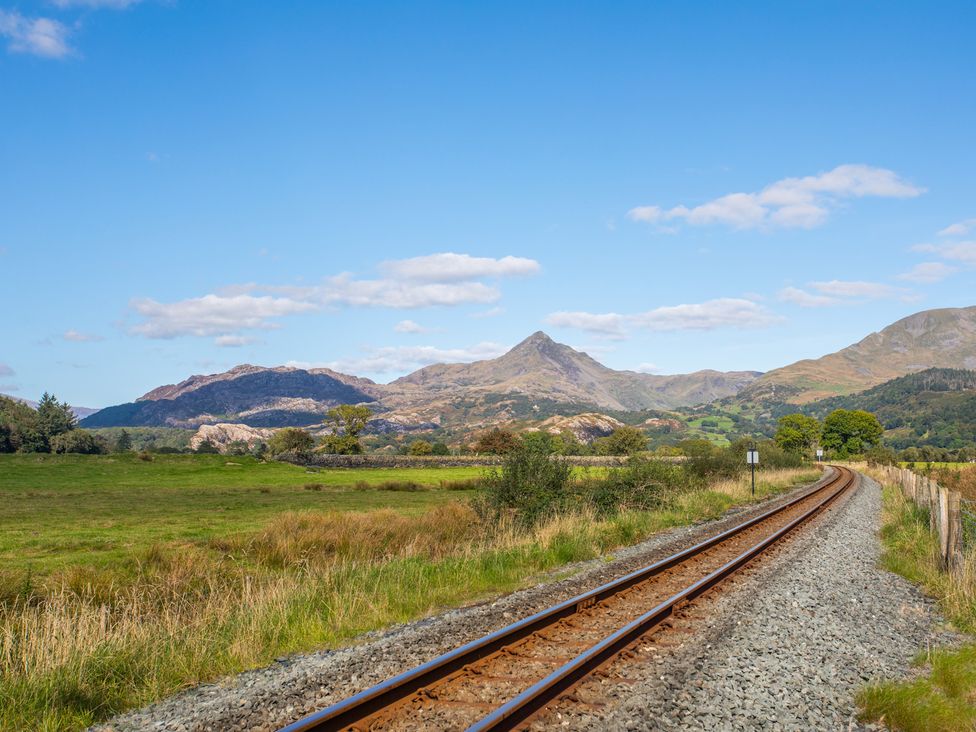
6 370
43 37
647 368
788 203
608 325
927 273
410 326
451 267
233 341
212 315
806 299
959 229
254 306
842 292
960 251
402 359
709 315
76 337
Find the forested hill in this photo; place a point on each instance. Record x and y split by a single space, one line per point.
932 407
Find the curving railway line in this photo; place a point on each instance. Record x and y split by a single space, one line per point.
508 678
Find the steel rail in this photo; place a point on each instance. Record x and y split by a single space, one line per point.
533 699
347 712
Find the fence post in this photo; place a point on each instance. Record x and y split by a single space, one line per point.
933 491
955 539
943 522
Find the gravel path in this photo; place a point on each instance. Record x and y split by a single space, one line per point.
842 619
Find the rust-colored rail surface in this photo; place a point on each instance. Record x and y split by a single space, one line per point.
499 681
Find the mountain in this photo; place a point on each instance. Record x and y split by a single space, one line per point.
944 338
537 378
933 407
259 397
541 368
79 412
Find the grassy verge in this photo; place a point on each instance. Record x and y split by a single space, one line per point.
82 641
942 697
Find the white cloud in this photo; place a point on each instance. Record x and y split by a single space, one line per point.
37 36
388 293
963 251
959 229
609 325
647 368
403 359
725 312
5 370
76 337
927 272
788 203
709 315
212 315
7 388
451 267
409 326
233 341
853 289
806 299
441 280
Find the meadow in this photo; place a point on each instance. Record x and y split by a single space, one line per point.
122 581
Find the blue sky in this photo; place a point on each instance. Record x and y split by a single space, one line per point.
377 186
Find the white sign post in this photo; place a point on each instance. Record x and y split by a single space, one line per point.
819 454
752 458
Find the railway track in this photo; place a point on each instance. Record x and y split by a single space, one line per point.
505 679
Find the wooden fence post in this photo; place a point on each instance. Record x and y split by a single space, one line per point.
955 556
943 524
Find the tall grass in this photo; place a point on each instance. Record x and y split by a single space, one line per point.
943 695
87 642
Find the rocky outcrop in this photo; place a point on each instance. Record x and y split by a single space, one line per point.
221 435
585 427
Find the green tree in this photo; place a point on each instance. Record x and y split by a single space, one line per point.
124 442
291 439
539 441
54 418
347 421
439 448
530 484
797 433
624 440
77 441
206 447
850 432
496 441
421 447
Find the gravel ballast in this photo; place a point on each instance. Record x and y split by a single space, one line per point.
789 657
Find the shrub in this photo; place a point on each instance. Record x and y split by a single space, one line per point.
78 441
290 439
640 485
421 447
530 484
497 441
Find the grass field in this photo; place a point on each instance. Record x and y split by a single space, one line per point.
122 581
65 510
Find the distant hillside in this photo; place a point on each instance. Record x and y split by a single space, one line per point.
943 338
933 407
250 395
536 379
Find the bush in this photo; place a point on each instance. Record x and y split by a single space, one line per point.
439 448
497 441
531 485
291 439
421 447
77 441
640 485
624 440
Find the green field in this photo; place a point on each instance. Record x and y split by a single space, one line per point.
123 580
67 510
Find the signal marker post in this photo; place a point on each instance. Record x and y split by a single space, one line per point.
819 454
752 457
